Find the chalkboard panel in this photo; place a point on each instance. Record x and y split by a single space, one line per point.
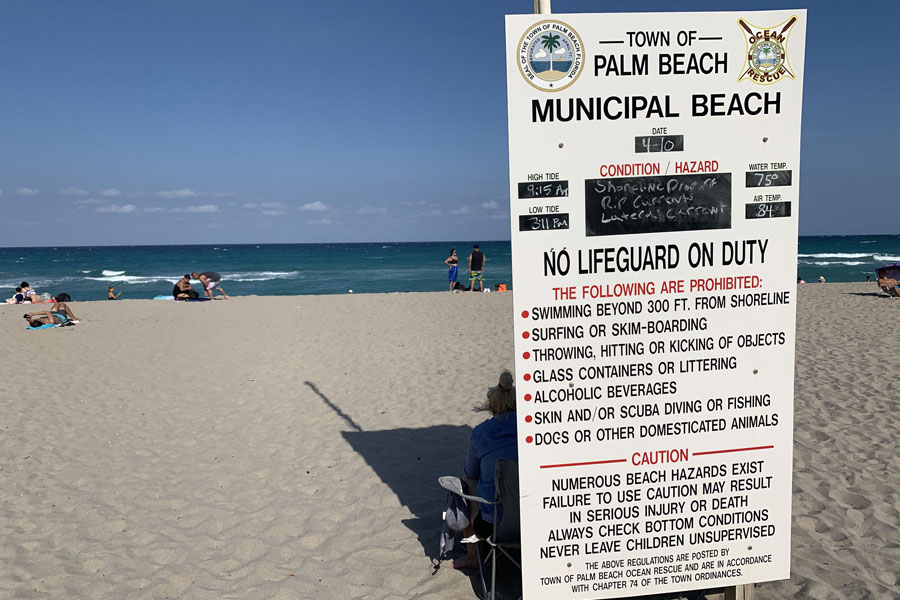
543 222
544 189
621 205
768 210
768 178
659 143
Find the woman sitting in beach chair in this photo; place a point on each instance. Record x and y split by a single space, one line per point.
494 438
60 314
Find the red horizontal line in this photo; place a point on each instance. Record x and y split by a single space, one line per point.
581 464
733 450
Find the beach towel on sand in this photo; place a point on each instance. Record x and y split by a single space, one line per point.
169 297
53 326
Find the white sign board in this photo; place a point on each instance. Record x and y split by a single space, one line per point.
654 163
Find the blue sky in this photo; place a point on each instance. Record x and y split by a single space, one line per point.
126 122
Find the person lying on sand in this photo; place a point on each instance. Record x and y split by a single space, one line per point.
60 314
494 438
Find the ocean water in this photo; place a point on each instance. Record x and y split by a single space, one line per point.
262 269
558 65
286 269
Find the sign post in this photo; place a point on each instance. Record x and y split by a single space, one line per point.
654 188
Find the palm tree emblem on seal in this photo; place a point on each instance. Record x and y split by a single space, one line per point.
766 60
550 55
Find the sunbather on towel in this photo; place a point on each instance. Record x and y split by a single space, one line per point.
60 314
492 439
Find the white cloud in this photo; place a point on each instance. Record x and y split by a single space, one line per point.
202 208
267 209
315 206
154 209
72 191
371 210
182 193
433 213
264 205
541 53
110 193
490 205
117 209
28 191
324 222
463 210
87 202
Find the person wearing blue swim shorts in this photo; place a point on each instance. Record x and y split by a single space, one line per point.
453 264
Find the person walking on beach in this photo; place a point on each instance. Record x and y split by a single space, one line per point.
475 268
111 293
210 282
453 264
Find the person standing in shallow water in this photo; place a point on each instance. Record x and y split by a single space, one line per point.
453 264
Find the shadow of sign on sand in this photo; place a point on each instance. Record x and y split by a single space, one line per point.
409 461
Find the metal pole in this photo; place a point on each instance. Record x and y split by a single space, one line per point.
542 7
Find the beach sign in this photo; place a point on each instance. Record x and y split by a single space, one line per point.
654 189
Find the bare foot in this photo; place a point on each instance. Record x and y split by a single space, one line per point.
465 562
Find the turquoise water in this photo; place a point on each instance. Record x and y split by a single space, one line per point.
286 269
263 269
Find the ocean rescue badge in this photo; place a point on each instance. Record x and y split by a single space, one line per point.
551 56
766 59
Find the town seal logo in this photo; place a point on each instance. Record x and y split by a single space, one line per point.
550 56
766 61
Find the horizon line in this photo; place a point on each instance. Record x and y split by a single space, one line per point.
337 242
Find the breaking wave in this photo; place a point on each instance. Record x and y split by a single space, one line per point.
837 255
259 275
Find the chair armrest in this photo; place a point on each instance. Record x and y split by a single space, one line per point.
454 484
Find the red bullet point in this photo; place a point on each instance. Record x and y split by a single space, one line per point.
529 439
527 376
528 419
527 397
526 335
524 314
526 355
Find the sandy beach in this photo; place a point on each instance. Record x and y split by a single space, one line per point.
284 447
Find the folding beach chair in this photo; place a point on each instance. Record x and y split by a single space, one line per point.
505 540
